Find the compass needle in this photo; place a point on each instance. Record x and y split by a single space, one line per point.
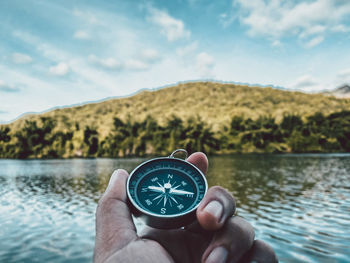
156 188
173 199
157 197
177 186
180 192
160 200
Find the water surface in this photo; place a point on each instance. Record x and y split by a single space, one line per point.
297 203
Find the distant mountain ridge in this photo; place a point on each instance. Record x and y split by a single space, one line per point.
342 92
214 102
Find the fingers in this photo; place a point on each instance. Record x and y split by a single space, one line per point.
200 160
114 225
260 252
216 207
231 242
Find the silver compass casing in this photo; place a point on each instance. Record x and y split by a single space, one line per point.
163 221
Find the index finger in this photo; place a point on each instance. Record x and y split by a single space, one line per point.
114 224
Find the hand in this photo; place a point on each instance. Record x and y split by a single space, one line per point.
216 237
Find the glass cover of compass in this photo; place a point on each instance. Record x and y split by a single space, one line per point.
166 192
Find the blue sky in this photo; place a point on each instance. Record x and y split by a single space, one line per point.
55 53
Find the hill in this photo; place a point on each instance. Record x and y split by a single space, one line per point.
342 92
216 103
201 116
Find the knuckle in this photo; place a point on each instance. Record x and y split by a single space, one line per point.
217 188
225 196
263 252
243 229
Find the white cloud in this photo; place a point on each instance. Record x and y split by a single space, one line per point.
87 16
49 51
276 43
60 69
20 58
4 87
343 77
146 58
172 28
80 34
340 28
305 83
109 63
345 73
226 19
312 30
314 42
277 19
135 64
205 65
186 50
150 55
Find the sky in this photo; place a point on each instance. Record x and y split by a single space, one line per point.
57 53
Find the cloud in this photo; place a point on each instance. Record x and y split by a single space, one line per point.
80 34
172 28
314 42
47 50
276 43
20 58
227 19
150 55
343 77
108 63
345 73
4 87
205 64
87 17
135 64
186 50
340 28
277 19
305 83
60 69
312 30
146 58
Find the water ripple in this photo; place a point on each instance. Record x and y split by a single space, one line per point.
297 203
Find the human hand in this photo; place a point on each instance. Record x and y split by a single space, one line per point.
215 237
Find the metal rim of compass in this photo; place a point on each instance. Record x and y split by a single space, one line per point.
155 215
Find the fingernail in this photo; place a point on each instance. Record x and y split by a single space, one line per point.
218 255
215 209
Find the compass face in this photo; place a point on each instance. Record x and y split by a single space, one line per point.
166 187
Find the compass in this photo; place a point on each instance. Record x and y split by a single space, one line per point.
166 191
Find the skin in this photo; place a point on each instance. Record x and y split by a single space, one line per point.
217 236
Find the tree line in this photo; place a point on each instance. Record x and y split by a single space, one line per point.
315 133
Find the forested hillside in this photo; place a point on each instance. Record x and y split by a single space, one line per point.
210 117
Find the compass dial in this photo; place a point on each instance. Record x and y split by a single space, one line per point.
166 187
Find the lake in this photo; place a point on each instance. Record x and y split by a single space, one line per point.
297 203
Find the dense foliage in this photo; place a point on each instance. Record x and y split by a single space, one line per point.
127 137
213 102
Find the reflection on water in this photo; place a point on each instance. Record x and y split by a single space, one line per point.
297 203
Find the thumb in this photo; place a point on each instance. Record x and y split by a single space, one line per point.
114 224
